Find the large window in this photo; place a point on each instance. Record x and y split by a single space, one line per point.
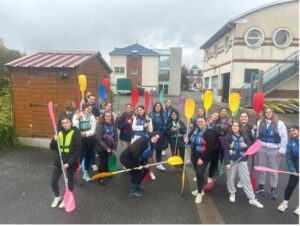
254 37
250 75
119 70
164 61
282 37
164 76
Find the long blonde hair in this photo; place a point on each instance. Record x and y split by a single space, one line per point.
274 119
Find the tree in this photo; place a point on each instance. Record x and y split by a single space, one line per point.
184 80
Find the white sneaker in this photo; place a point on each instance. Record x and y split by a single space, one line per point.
160 167
195 193
86 177
198 199
209 180
62 205
55 201
282 207
163 153
94 167
239 184
195 179
297 211
232 197
152 176
256 203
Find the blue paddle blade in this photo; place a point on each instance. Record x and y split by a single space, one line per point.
102 92
82 165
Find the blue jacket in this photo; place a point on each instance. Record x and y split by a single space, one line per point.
125 127
237 151
159 122
292 155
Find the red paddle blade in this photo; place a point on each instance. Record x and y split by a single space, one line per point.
147 177
51 113
69 200
78 98
253 148
253 181
258 102
209 186
134 97
105 82
147 100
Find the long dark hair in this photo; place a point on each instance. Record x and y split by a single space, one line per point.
161 108
141 116
241 132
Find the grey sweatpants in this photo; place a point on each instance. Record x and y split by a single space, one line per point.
269 158
242 170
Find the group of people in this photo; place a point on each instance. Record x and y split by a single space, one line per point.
215 141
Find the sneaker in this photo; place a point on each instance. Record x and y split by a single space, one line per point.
141 187
134 194
282 207
160 167
62 205
209 179
163 153
260 188
86 177
195 179
273 193
239 184
195 193
94 167
256 203
152 176
297 211
232 197
55 201
198 199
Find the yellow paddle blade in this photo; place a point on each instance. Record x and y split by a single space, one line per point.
234 102
104 174
182 182
82 83
208 99
189 108
175 160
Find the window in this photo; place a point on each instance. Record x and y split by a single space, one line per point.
134 71
164 76
254 37
282 38
226 43
206 83
206 55
119 70
250 74
216 48
164 61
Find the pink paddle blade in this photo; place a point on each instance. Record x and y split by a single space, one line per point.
50 109
69 200
209 186
263 168
253 148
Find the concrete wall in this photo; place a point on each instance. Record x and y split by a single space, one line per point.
150 72
175 71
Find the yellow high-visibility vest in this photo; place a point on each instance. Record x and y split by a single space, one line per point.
65 144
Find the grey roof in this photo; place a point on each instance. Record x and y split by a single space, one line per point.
56 59
223 30
136 48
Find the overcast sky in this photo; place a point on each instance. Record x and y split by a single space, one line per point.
101 25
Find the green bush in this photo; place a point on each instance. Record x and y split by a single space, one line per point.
7 133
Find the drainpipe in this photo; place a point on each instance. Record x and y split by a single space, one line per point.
232 26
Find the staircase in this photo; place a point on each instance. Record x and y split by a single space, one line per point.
273 78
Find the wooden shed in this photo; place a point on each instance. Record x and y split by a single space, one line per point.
49 76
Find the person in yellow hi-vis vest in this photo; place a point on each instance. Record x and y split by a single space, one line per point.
70 145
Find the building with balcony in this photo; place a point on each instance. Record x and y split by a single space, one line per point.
265 40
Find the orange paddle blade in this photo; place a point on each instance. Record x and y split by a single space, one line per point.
208 99
234 102
189 108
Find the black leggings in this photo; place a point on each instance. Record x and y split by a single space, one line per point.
103 157
200 170
87 150
214 163
137 176
293 182
56 173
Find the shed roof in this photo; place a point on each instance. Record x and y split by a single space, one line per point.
136 48
56 59
223 30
